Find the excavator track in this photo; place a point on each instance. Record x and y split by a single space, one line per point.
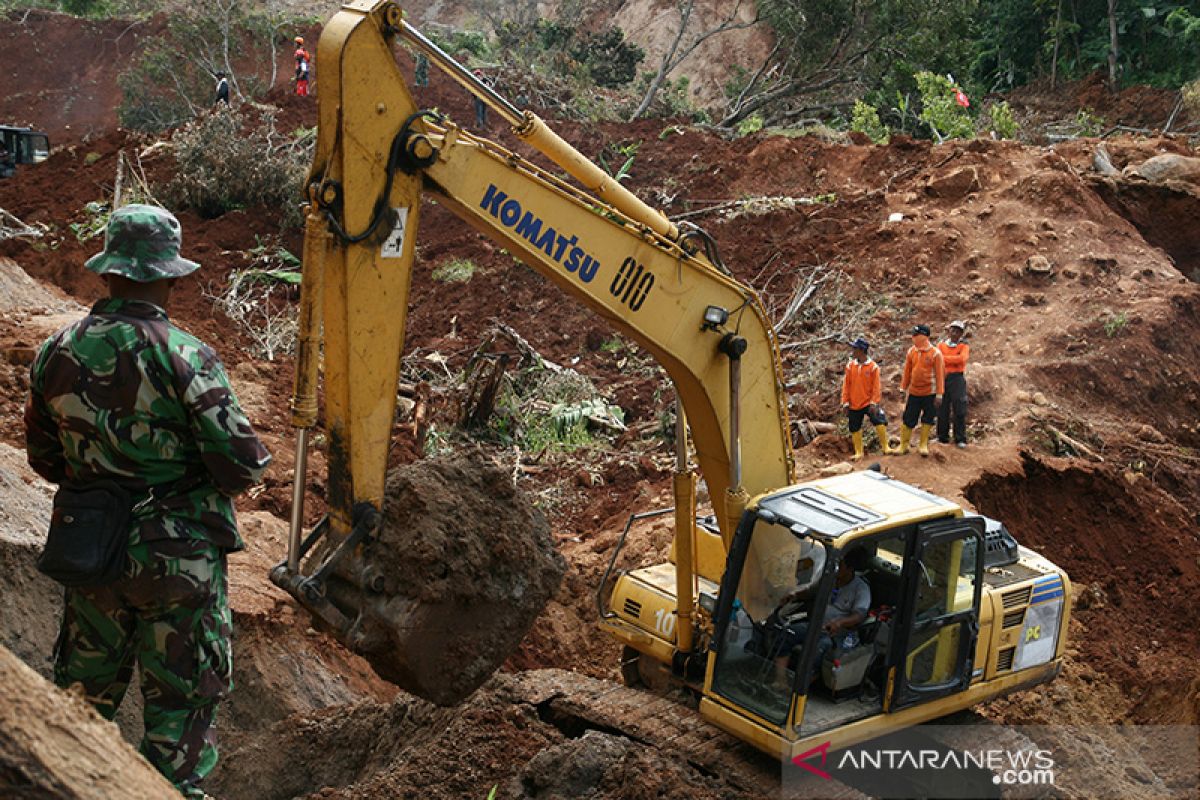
576 703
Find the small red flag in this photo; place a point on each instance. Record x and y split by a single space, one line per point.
961 98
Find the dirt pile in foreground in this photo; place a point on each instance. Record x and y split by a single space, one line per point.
467 564
537 734
54 745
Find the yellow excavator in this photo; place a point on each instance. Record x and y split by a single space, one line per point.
960 613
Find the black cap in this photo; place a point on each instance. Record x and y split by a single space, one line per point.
920 329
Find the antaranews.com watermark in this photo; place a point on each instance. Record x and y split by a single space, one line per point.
993 761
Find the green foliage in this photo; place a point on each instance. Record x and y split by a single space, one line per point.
1088 123
95 221
1003 122
627 151
227 160
605 58
751 124
1017 41
865 119
456 270
939 110
1114 323
456 42
673 98
610 60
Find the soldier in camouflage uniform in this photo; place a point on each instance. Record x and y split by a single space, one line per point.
124 395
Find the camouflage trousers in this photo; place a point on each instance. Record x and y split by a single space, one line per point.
170 613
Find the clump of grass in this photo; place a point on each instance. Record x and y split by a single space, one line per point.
1114 323
456 270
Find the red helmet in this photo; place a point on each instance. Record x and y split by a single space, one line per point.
299 40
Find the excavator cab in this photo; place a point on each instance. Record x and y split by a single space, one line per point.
937 636
21 146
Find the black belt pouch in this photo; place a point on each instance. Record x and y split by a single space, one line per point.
89 532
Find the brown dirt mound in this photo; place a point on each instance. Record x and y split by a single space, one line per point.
52 744
519 733
1131 551
467 564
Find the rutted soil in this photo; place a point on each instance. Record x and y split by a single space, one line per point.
1083 326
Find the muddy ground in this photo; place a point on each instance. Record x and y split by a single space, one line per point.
1085 432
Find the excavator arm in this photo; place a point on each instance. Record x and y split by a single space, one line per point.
661 286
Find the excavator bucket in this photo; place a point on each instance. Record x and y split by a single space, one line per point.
447 582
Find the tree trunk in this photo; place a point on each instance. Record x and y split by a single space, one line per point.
1057 37
54 745
665 66
1112 46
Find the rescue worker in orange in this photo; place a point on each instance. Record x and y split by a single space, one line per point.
955 352
861 397
924 381
302 60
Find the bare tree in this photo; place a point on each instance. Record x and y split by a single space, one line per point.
781 77
824 52
686 41
1112 46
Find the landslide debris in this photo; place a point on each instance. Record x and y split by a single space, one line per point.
467 564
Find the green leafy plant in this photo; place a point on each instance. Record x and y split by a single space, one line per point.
456 270
865 119
751 124
94 223
627 151
565 417
1003 122
1088 122
940 110
1114 323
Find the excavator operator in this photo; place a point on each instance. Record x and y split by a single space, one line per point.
847 609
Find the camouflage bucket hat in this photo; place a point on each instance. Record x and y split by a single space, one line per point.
142 243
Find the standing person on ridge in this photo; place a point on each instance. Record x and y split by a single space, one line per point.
924 380
125 397
955 353
861 396
222 89
302 60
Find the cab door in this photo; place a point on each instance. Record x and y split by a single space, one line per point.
938 622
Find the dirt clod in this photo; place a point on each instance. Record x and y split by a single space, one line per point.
467 565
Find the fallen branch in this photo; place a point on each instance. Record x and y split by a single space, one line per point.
13 228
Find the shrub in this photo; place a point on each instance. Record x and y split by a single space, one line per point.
1088 122
939 109
865 119
610 60
1004 124
227 160
751 124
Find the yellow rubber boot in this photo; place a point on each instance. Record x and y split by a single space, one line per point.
905 434
882 435
923 447
856 438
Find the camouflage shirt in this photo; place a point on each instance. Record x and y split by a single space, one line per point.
125 395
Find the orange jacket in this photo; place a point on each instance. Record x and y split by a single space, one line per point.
955 355
924 370
860 385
